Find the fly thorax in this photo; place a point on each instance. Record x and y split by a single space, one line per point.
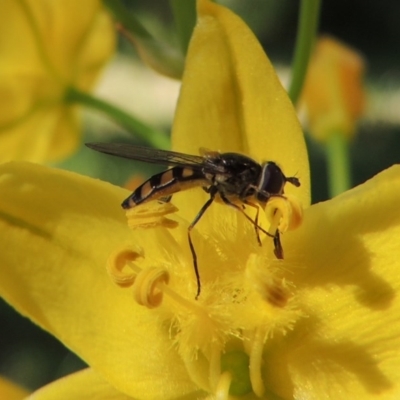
220 178
210 177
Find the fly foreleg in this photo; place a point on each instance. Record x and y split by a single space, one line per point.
229 203
278 249
256 226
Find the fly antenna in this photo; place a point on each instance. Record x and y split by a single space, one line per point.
293 180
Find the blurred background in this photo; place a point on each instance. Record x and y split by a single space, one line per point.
33 358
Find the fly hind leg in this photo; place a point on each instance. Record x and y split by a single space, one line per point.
212 191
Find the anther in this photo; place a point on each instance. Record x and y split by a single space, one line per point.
148 286
121 268
272 288
275 293
150 215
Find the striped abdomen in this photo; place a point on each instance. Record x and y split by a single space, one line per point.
165 184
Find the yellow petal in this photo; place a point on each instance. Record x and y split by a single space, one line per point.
86 385
11 391
70 49
57 231
232 100
89 50
68 133
82 385
36 68
17 145
348 283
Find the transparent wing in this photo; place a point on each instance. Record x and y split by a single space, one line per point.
149 155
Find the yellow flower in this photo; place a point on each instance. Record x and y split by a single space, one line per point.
320 324
11 391
47 47
333 93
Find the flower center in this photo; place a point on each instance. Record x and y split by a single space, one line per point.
245 298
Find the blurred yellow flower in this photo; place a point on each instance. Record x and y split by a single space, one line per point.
47 47
333 94
320 324
10 391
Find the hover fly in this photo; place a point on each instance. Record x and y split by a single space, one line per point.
230 176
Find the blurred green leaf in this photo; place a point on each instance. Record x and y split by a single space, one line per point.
185 19
158 54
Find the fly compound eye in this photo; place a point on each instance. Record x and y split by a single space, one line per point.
272 180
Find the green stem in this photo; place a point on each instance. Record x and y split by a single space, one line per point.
306 31
185 19
151 136
337 149
127 19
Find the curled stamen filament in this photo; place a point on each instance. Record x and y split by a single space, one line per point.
256 352
148 286
215 366
121 268
147 283
224 384
284 213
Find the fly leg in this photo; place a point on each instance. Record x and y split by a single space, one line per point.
278 249
257 227
212 191
166 199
